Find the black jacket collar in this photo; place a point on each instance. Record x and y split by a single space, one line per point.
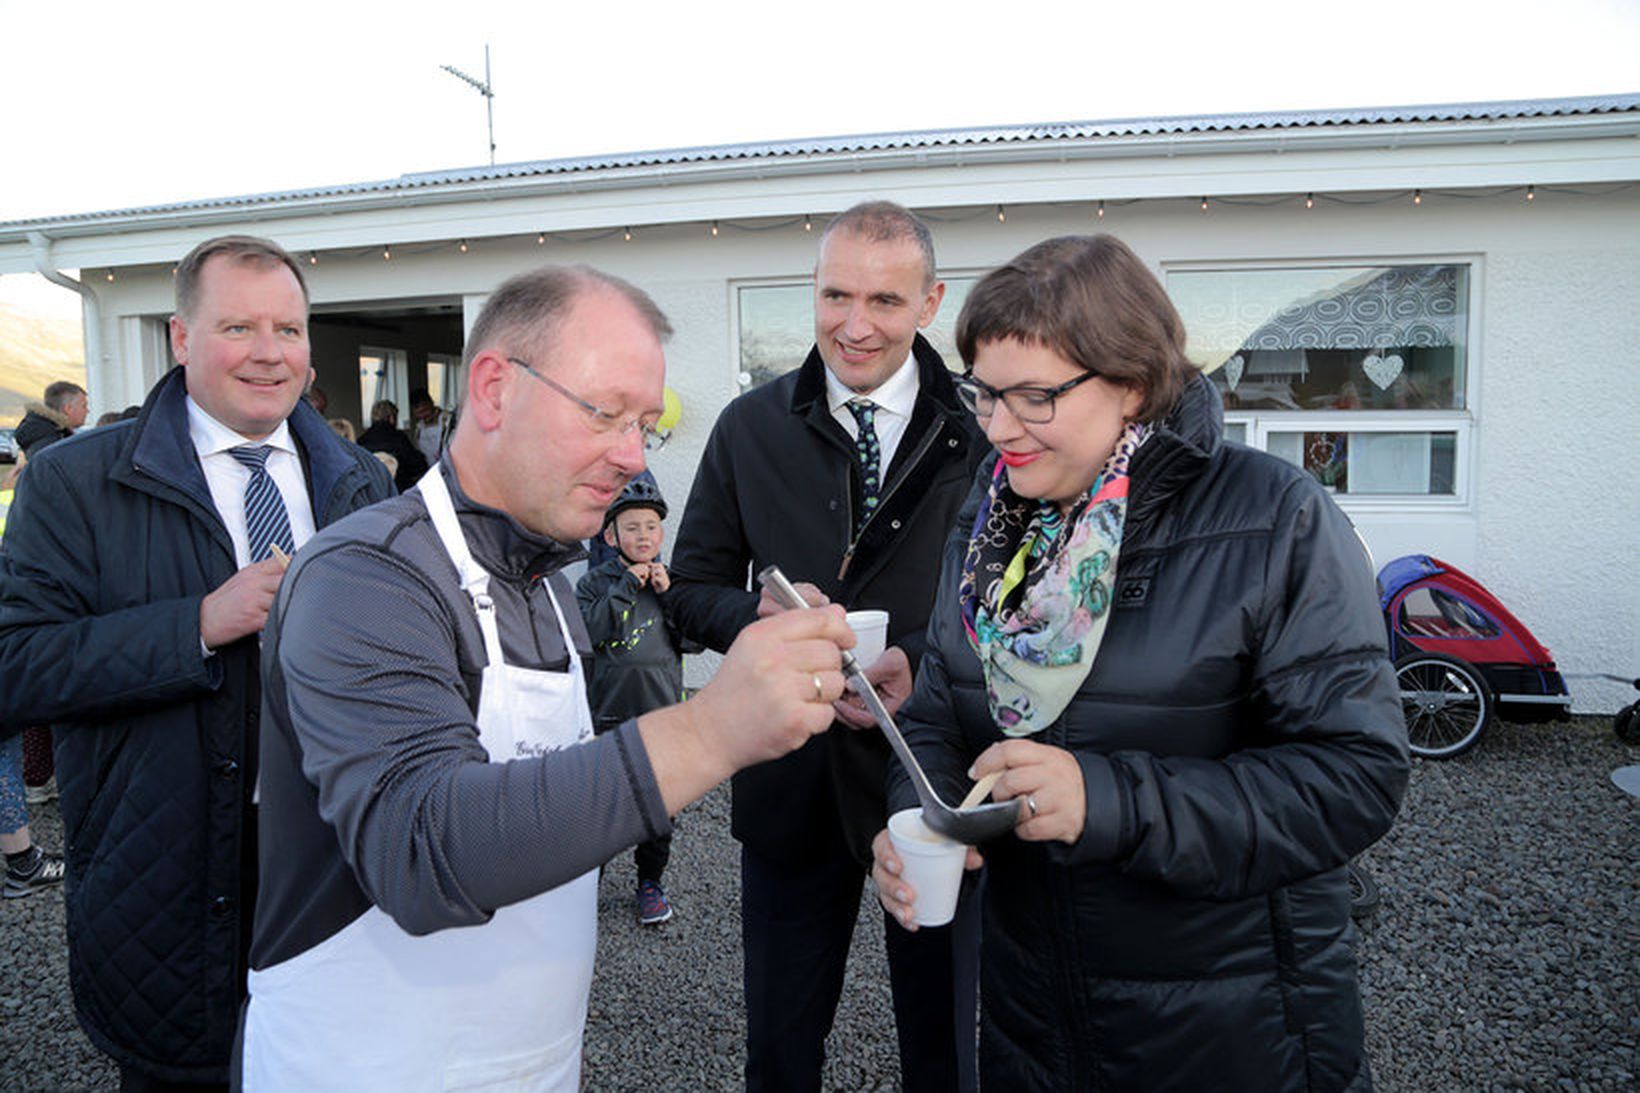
1181 447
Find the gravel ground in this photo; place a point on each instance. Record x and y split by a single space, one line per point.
1505 953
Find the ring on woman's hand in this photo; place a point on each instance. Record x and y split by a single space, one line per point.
819 689
1030 803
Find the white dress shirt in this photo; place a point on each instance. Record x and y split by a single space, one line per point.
895 399
227 477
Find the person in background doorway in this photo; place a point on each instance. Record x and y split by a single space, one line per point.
385 436
430 426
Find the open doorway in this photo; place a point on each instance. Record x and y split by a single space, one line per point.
385 351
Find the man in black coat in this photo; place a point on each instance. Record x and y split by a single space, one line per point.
55 418
384 435
137 574
847 473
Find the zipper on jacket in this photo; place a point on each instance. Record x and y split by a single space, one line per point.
926 443
1087 1058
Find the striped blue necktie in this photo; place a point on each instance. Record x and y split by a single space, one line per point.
266 521
869 453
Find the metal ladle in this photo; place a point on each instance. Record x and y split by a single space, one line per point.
972 826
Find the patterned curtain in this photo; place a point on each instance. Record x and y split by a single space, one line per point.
1401 306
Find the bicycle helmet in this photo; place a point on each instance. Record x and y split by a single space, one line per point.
638 493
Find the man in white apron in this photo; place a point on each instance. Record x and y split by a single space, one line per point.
434 805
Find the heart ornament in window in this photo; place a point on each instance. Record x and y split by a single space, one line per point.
1383 370
1233 369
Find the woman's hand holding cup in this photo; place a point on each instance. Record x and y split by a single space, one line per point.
888 873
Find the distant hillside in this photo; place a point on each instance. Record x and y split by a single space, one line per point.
34 352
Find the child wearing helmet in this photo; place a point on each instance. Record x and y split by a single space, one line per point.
637 666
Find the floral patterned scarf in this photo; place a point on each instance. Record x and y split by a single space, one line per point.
1036 590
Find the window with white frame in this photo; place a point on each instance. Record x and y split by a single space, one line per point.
776 326
1359 374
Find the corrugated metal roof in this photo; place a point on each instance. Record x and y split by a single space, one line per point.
1000 134
930 139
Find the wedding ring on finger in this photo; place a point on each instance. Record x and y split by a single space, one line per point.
1030 803
819 689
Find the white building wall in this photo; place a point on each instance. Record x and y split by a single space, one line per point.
1550 517
1559 491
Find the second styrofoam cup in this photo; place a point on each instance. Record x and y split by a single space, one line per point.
931 864
871 630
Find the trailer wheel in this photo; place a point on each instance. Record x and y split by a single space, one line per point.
1627 724
1446 704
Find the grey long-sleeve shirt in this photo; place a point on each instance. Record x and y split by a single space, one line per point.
375 789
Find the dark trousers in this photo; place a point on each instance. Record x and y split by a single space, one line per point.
38 762
797 920
651 858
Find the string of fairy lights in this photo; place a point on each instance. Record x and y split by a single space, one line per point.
1097 211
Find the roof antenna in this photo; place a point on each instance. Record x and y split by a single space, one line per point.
483 87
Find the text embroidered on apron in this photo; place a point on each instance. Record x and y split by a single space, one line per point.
499 1006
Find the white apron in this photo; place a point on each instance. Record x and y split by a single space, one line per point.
499 1006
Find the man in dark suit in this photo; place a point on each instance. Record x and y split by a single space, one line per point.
847 473
384 435
139 567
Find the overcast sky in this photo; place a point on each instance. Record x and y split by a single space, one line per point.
111 106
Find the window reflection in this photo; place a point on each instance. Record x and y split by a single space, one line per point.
1361 338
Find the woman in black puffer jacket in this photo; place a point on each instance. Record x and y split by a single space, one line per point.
1171 648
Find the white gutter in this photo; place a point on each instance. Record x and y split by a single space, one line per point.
90 306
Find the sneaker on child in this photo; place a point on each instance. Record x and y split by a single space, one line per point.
653 906
45 870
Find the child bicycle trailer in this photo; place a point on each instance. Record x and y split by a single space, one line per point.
1461 657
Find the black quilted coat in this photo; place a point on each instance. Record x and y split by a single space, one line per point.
778 485
1240 738
110 546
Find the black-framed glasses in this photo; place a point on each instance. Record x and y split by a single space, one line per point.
602 420
1028 402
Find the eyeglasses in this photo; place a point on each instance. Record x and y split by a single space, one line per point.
602 420
1027 402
